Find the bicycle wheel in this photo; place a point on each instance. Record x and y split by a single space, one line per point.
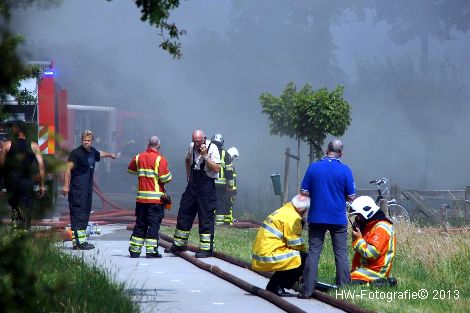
398 213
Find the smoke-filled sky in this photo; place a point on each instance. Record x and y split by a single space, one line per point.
409 121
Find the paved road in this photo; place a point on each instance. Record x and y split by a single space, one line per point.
172 284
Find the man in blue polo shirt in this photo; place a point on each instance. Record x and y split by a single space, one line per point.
329 183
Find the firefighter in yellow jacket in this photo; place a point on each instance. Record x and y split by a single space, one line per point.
279 246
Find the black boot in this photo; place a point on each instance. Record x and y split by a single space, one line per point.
134 254
203 254
153 253
84 246
280 292
173 248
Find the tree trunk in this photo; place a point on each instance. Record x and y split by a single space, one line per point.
298 164
285 194
312 154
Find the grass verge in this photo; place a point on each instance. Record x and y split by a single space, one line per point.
35 276
432 269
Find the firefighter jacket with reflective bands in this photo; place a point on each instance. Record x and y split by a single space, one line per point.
375 251
152 171
278 242
226 173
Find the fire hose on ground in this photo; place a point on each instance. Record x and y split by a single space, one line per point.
321 296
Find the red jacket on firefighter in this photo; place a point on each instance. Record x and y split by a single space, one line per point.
153 173
374 242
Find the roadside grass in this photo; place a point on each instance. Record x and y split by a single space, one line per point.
35 276
428 261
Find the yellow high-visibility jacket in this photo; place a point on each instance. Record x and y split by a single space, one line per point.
278 242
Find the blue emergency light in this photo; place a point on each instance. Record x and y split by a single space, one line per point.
49 73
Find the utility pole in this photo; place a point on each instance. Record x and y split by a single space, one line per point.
286 174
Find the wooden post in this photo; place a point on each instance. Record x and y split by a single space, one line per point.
286 177
384 207
443 214
467 205
298 165
396 192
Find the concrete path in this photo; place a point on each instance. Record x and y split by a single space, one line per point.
172 284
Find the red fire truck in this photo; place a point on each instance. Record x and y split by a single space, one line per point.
56 125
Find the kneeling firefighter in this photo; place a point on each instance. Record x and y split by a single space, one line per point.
374 242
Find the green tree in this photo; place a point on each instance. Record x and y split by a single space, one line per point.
308 115
320 113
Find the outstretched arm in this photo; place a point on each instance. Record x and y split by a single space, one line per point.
104 154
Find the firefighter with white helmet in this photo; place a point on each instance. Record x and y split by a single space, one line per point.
373 239
223 184
233 151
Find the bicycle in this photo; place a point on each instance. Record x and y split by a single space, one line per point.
396 212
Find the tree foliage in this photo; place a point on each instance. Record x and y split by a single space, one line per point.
307 114
12 69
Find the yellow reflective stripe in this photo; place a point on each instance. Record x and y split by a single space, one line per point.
388 228
204 246
366 250
181 233
221 181
165 178
205 237
136 241
132 172
146 174
152 243
134 248
180 242
155 180
276 258
389 255
229 167
149 198
295 242
369 273
149 192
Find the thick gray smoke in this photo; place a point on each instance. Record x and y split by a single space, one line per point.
408 123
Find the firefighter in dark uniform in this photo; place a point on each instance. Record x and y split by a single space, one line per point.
233 151
78 185
223 183
18 160
152 173
202 168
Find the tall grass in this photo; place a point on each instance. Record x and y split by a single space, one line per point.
35 276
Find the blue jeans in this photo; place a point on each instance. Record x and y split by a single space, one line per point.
316 237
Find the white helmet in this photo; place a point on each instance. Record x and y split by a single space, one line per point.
218 138
365 206
233 153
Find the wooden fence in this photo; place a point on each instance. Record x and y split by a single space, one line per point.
443 207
